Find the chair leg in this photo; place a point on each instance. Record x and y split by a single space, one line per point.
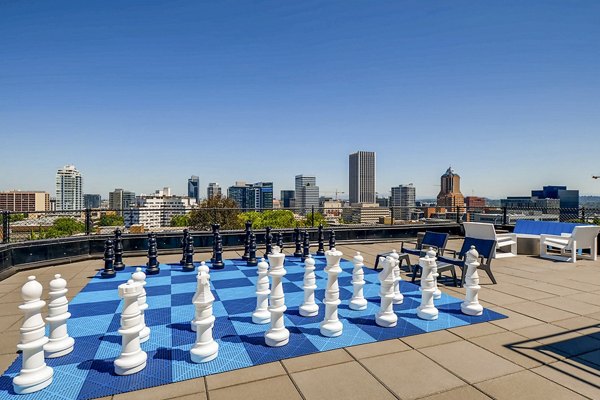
415 268
574 252
594 250
453 272
462 277
488 271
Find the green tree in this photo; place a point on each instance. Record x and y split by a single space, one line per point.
61 227
318 219
216 210
111 220
272 218
180 220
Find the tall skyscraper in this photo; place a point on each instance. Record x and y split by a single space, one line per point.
403 201
450 195
362 177
287 198
91 200
307 194
213 190
120 199
252 196
69 189
194 188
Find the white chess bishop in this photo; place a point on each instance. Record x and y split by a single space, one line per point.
261 314
60 343
277 335
202 268
309 308
331 325
206 348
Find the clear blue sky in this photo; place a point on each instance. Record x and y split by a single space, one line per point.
143 94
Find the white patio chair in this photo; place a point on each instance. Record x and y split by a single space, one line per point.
504 241
582 238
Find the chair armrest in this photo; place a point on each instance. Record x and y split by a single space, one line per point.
509 235
454 252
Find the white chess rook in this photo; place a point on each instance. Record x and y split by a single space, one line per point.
398 297
60 343
261 314
331 326
132 358
205 349
277 335
471 304
358 301
202 268
386 317
35 374
140 277
309 308
427 310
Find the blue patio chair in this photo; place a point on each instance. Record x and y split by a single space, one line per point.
436 240
485 248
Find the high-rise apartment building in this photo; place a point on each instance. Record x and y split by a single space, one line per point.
307 194
402 201
212 190
91 200
362 177
120 199
450 195
69 189
288 198
157 211
29 201
194 188
252 196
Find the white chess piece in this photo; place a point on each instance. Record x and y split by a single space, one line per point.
386 317
133 358
277 335
358 301
140 277
202 268
261 314
309 308
427 310
398 297
331 326
437 293
60 343
35 374
471 304
205 349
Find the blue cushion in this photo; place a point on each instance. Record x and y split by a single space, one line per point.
543 227
435 239
483 246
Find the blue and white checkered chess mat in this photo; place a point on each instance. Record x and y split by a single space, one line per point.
88 372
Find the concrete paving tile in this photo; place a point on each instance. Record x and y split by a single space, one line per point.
587 297
582 325
521 291
341 381
8 344
515 320
550 288
498 298
316 360
560 340
525 385
593 357
430 339
461 393
574 375
540 311
570 305
280 387
173 390
244 375
195 396
544 333
377 348
470 331
8 320
6 361
411 375
470 362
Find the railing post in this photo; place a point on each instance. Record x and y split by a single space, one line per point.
504 216
312 216
583 215
88 221
457 214
5 226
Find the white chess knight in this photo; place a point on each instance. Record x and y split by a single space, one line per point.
398 297
133 358
386 317
331 326
140 277
206 348
261 314
309 308
427 310
202 268
471 304
358 301
277 335
60 343
35 374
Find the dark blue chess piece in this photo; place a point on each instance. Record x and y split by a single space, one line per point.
279 241
252 261
109 258
152 264
247 241
268 241
298 242
321 249
183 244
188 264
305 245
331 239
215 231
218 263
118 243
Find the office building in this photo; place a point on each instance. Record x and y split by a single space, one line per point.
362 177
91 200
307 194
120 199
69 189
475 202
213 190
194 188
26 201
157 211
450 195
288 198
402 201
251 197
365 213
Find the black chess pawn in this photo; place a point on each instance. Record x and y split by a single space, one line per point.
298 242
109 258
321 249
188 264
279 241
118 244
152 264
215 231
247 241
252 261
268 241
331 239
218 264
305 245
183 244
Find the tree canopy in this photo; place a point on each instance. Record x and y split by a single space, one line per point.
111 220
216 210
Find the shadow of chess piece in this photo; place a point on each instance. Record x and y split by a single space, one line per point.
109 258
118 243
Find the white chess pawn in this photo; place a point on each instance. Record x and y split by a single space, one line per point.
331 326
140 277
205 349
277 335
133 358
309 308
261 314
60 343
427 310
202 268
437 293
35 374
358 301
386 317
398 297
471 304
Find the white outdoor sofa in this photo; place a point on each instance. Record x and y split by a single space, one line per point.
571 246
504 241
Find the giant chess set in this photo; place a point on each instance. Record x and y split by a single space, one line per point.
132 328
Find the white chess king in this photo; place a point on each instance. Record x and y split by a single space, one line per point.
277 335
471 304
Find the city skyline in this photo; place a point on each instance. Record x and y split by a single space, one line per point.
185 88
